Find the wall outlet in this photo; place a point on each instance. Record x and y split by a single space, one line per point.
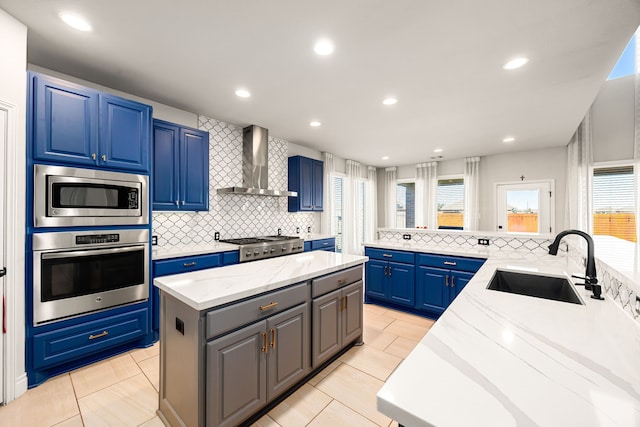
406 236
297 230
308 229
154 240
484 242
279 231
637 304
216 236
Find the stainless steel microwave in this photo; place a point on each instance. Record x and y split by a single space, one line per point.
67 197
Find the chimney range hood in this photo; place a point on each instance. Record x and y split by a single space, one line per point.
255 165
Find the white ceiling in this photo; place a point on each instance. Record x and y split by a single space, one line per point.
441 59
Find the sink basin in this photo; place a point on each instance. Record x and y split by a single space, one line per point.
533 285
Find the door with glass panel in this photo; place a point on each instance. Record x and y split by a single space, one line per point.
524 207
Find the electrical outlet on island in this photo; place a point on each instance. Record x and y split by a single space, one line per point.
483 242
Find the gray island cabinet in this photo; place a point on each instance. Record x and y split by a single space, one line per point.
226 354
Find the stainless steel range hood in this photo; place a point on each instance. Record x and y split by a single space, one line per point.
255 165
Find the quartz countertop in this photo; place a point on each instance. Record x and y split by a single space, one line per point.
209 288
499 359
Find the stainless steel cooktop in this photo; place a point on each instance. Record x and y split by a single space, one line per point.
255 248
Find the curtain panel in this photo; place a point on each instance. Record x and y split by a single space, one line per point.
327 218
371 205
426 188
390 180
578 193
351 227
471 193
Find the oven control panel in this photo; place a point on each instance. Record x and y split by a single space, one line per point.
91 239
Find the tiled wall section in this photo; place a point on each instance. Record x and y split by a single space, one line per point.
467 241
231 214
613 283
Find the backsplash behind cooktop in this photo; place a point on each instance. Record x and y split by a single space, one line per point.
231 214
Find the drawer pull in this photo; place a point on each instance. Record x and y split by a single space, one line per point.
273 338
325 244
387 255
268 306
264 348
449 263
100 335
342 281
189 264
446 280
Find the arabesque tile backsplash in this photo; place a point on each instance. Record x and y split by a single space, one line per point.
234 215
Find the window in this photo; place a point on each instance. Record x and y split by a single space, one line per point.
614 202
450 202
524 207
338 213
626 64
338 182
406 204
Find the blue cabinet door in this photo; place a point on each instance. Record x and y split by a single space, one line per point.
376 279
125 128
64 120
166 138
194 170
459 280
401 283
432 290
318 185
306 184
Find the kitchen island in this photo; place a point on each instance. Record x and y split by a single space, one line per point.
500 359
235 339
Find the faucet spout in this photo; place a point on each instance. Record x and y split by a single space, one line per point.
591 280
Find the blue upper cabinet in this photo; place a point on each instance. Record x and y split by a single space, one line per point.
72 124
64 120
180 167
306 177
124 133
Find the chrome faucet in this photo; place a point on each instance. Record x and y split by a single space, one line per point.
590 279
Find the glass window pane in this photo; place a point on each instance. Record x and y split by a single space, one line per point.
522 211
613 202
626 64
450 201
406 205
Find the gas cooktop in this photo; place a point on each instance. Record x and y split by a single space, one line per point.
255 248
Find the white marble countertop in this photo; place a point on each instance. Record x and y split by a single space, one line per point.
209 288
176 251
499 359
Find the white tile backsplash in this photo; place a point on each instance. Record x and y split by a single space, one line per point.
234 215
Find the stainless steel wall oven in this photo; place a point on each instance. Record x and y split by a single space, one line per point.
66 197
81 272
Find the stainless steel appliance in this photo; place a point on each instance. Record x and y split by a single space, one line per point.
255 248
81 272
66 197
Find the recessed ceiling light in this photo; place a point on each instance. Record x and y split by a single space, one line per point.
438 150
315 124
508 139
515 63
390 101
75 21
242 93
323 47
385 158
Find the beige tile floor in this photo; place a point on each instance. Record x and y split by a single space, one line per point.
123 390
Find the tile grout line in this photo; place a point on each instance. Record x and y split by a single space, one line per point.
321 410
73 386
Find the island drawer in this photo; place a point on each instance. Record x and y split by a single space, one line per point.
333 281
451 262
389 255
233 316
186 264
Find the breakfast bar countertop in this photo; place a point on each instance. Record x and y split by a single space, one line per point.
501 359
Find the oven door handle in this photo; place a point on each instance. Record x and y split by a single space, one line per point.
73 254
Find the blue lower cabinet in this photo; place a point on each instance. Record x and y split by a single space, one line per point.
307 246
324 244
389 280
230 258
432 289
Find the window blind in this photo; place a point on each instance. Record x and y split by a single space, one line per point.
450 202
614 202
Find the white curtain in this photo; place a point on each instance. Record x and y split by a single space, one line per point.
636 151
351 226
371 205
578 193
390 201
471 193
426 188
327 218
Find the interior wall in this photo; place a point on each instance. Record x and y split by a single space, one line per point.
13 89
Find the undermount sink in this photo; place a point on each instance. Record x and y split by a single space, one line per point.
533 285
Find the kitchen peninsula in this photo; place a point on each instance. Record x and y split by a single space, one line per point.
235 338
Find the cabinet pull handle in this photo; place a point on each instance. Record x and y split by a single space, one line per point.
384 270
346 302
264 349
390 270
452 285
273 338
183 203
189 264
104 158
446 280
387 255
449 263
268 306
93 156
100 335
342 281
176 203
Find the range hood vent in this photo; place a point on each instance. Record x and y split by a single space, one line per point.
255 165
